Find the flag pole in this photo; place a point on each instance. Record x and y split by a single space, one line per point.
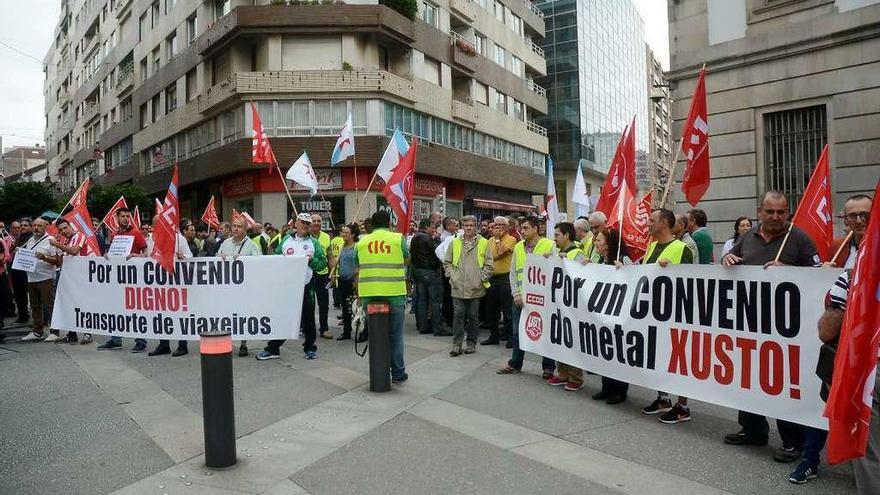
781 247
361 203
671 177
842 245
286 189
356 193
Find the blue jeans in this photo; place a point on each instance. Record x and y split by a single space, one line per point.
429 293
395 333
517 356
814 442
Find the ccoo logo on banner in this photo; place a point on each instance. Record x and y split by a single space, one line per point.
741 337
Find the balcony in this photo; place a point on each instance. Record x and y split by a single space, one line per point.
464 112
89 112
535 48
125 79
463 51
307 81
63 97
538 90
537 129
534 8
121 7
464 8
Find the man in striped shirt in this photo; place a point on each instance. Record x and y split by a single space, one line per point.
75 244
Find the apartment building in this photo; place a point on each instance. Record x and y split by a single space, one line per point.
23 162
783 78
596 85
134 86
660 145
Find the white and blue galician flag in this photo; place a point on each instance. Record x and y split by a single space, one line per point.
345 144
552 201
302 173
397 149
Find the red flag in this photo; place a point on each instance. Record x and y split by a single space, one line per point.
399 189
158 207
695 142
623 169
248 220
210 215
262 150
630 218
849 401
81 223
813 214
166 229
110 217
136 217
79 197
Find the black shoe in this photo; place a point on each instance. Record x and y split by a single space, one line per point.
242 351
160 350
443 333
615 399
785 455
424 332
70 339
742 439
22 320
490 341
180 351
508 345
401 379
603 395
504 338
362 338
345 336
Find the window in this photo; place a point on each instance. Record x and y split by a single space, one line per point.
500 56
170 98
142 26
500 102
429 14
480 43
155 109
157 62
192 89
143 70
516 65
481 93
143 116
155 11
221 8
499 10
171 46
793 141
192 27
169 4
384 59
519 111
125 109
432 71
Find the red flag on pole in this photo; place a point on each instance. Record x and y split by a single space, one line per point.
110 217
136 217
158 207
210 215
79 197
399 189
623 169
166 228
849 402
262 150
635 227
695 142
81 223
813 214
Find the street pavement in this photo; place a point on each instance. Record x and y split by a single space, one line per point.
77 421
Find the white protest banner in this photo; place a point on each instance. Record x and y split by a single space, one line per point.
121 246
25 260
254 297
741 337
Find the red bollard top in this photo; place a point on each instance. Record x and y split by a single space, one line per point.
215 343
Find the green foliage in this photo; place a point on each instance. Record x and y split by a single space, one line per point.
101 199
347 66
23 198
409 8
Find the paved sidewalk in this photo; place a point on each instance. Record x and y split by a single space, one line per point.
75 420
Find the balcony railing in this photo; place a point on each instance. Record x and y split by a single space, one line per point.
125 78
89 111
307 81
535 48
536 89
534 8
537 129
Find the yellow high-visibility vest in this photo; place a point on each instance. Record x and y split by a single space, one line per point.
544 246
673 252
382 271
482 245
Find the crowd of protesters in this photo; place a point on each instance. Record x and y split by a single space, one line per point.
465 275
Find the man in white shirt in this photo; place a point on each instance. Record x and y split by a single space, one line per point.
238 244
450 231
41 282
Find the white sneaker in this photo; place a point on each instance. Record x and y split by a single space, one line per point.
52 338
32 336
86 339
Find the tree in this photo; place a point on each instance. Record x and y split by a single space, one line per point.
23 198
101 198
409 8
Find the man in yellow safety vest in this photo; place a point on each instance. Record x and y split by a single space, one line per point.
469 265
381 257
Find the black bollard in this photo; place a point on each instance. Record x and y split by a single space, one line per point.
378 321
218 409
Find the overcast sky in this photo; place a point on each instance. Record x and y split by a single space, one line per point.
28 26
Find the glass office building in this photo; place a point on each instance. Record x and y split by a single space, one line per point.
596 80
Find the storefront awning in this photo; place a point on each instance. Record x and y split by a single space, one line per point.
491 204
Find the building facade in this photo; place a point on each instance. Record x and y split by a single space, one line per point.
23 162
134 86
783 79
659 160
596 81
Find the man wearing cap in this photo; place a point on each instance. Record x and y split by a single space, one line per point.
381 258
301 243
322 277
